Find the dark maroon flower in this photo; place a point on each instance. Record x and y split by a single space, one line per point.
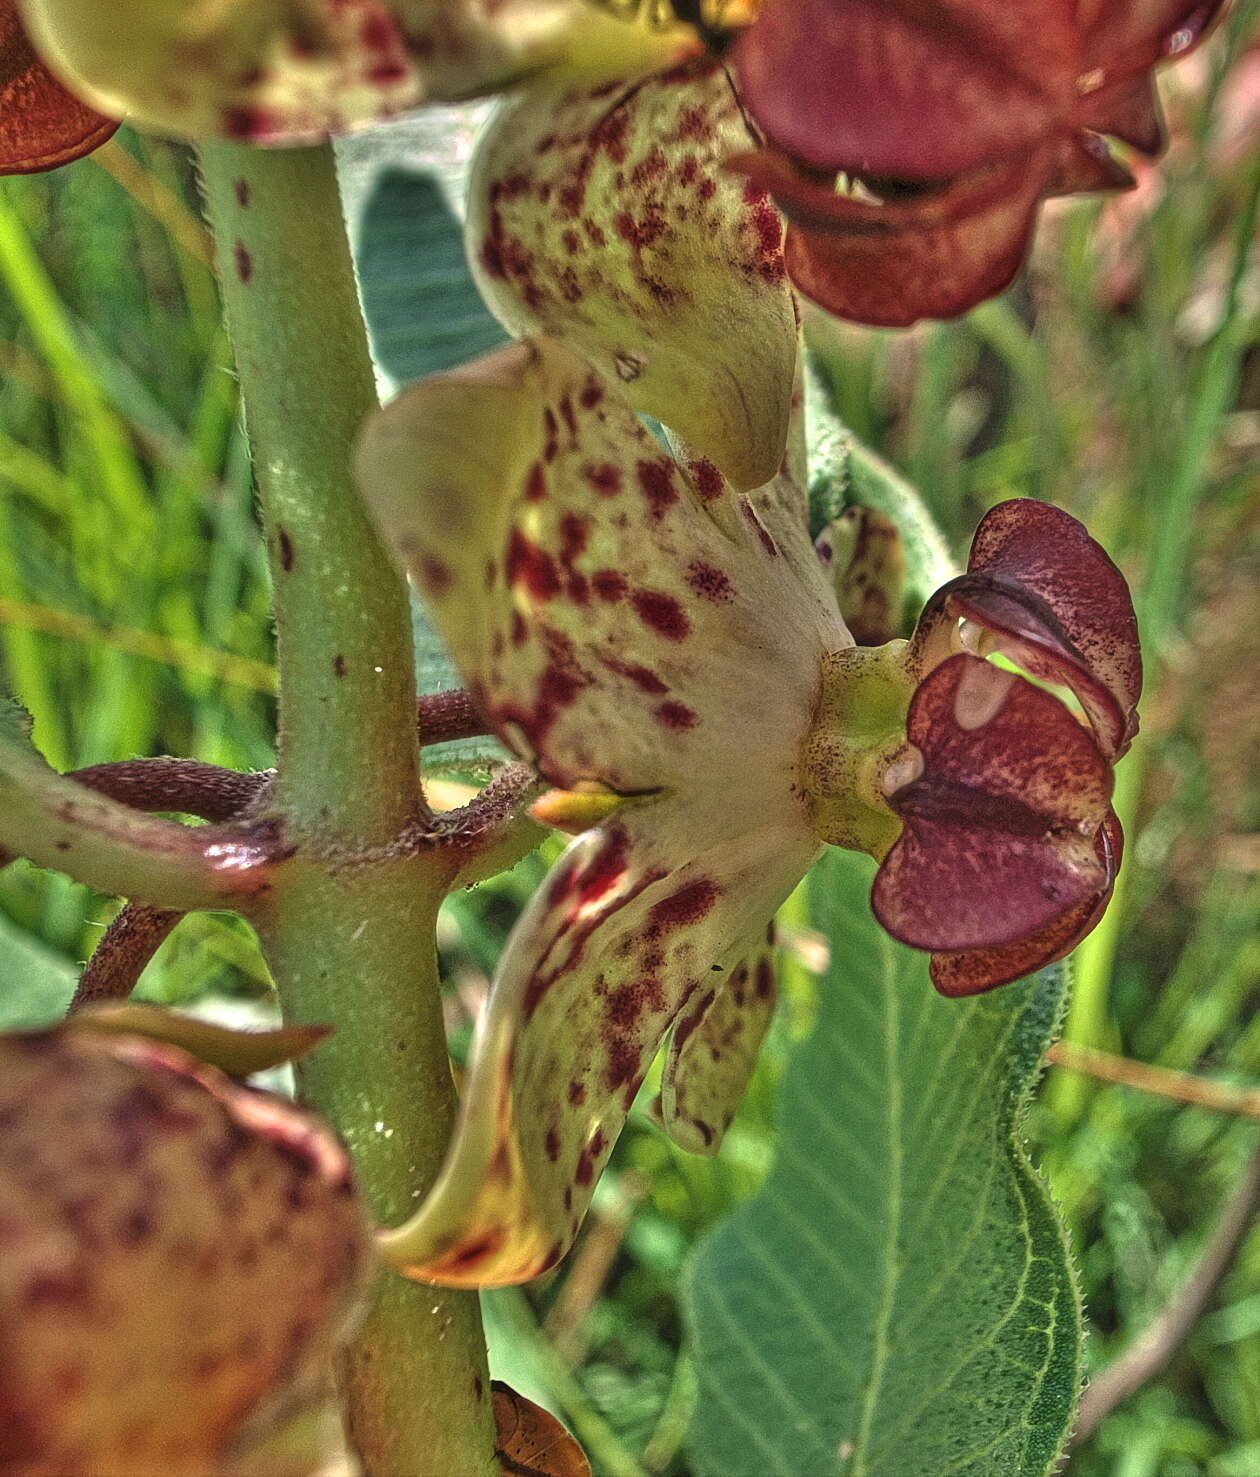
41 124
911 144
1010 847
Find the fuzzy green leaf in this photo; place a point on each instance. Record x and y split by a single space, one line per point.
898 1298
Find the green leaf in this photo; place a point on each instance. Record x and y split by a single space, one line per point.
898 1299
36 984
423 310
401 187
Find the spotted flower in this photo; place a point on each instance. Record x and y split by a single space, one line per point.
183 1257
41 124
911 146
294 71
668 653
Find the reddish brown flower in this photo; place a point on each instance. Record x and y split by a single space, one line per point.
41 124
911 144
1000 779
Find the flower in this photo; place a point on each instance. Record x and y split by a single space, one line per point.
295 71
644 633
658 636
912 146
41 124
183 1257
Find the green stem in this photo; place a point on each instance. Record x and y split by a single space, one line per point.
60 824
350 932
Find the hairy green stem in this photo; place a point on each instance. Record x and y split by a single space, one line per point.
350 932
62 824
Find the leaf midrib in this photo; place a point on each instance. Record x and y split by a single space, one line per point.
881 1342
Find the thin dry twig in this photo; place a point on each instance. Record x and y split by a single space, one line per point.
1154 1348
1182 1087
189 787
449 715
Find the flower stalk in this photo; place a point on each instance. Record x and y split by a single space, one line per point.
349 933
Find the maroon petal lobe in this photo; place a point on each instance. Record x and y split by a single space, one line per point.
1000 825
891 263
973 971
908 88
1123 38
41 124
1129 111
1056 604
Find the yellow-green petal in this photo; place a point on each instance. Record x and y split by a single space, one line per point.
604 216
294 71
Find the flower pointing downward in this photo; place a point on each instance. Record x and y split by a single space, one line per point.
911 145
640 630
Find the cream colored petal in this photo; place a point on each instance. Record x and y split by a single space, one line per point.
714 1048
293 71
180 1257
625 932
604 216
622 619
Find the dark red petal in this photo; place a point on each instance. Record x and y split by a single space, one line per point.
41 124
912 89
973 971
1000 826
1129 111
1057 605
932 256
1086 165
1123 38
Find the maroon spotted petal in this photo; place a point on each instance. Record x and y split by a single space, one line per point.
1001 822
41 124
973 971
1055 603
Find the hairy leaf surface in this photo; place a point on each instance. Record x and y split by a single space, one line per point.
898 1298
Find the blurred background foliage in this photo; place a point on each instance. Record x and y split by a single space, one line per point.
1120 378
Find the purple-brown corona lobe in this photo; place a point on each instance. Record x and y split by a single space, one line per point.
912 146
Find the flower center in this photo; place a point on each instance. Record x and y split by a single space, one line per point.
857 738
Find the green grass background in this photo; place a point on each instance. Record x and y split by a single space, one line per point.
1121 378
